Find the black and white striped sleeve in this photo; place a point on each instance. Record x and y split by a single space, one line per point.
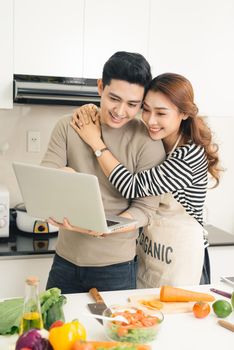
173 174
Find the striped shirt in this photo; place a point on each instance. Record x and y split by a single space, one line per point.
184 174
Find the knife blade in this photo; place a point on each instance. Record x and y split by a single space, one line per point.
99 306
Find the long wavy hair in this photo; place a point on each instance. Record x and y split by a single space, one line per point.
179 90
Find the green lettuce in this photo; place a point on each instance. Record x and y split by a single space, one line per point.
11 310
11 313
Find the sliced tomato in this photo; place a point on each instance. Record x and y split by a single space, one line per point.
136 320
122 331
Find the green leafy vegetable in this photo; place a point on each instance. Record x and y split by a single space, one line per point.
11 310
135 335
55 312
51 306
11 313
48 298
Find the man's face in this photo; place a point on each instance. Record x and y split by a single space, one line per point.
120 102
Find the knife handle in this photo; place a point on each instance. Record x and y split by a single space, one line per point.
226 324
96 295
221 292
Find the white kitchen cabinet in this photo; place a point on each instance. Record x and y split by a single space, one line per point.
112 26
221 261
75 37
195 38
48 37
6 57
13 272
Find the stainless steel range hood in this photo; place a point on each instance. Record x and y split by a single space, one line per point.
54 90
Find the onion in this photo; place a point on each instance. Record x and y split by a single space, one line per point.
34 340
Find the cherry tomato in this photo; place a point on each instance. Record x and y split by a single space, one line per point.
201 309
122 331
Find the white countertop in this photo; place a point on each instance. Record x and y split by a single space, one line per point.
179 331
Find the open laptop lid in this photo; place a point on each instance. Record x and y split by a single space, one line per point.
49 192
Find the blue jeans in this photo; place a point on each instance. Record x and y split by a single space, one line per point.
205 278
71 278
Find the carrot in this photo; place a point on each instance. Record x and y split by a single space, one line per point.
169 293
80 345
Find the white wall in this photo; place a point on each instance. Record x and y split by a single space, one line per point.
194 38
15 123
220 208
191 38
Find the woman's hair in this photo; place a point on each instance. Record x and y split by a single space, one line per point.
179 91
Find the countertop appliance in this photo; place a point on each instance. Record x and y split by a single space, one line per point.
4 211
31 224
32 234
55 90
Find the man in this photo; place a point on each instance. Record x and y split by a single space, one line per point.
83 261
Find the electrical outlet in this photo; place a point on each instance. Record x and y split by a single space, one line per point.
34 141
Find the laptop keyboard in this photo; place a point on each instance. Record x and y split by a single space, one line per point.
111 223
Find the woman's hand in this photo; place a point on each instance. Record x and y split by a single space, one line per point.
67 226
86 122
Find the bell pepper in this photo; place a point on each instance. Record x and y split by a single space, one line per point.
63 337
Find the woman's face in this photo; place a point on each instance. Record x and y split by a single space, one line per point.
162 118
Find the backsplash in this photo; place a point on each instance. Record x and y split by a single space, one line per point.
15 123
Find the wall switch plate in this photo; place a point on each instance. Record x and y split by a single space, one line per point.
33 141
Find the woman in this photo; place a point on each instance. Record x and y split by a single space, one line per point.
172 248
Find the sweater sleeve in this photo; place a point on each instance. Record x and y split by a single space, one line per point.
149 154
56 154
173 174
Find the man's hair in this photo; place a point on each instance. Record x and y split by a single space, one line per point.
127 66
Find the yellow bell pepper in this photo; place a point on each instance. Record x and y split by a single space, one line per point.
63 337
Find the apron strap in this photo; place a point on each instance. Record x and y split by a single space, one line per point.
175 145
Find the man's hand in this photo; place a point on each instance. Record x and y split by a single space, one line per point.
68 169
86 122
67 226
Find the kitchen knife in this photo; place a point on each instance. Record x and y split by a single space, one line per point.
99 306
221 292
226 324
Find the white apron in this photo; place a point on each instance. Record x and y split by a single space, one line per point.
171 248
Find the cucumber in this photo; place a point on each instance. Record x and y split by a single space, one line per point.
55 312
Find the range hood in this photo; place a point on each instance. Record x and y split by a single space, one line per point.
54 90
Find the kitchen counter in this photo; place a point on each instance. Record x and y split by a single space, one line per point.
181 331
26 244
21 244
218 237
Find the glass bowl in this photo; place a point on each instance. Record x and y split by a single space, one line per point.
143 326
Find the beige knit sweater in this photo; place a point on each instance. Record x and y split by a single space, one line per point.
133 147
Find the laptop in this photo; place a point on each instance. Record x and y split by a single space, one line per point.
49 192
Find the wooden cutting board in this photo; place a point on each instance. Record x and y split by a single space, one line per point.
168 307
